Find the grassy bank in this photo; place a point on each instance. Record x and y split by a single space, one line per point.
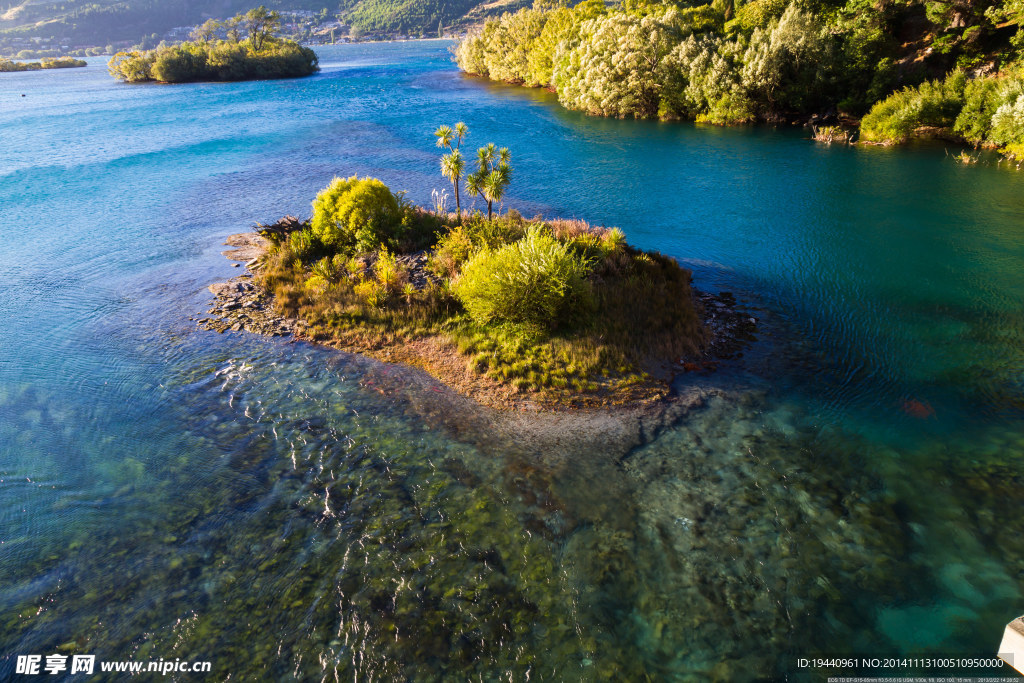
557 312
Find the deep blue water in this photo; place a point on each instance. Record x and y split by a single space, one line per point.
853 486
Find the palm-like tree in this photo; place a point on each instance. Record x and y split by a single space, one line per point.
452 164
452 167
444 135
492 176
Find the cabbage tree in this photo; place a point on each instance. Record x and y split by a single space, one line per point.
452 164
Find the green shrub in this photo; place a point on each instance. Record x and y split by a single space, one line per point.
453 249
304 245
981 99
537 281
1008 124
759 13
933 103
389 273
357 214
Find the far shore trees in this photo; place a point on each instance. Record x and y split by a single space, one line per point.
954 72
262 54
45 63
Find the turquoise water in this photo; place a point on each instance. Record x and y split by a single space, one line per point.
852 485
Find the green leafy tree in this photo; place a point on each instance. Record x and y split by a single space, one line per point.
207 31
233 28
452 164
493 175
262 26
507 49
614 70
784 64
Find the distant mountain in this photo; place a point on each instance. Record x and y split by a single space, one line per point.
77 25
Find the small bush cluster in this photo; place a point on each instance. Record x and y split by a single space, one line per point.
984 112
536 281
260 55
214 61
933 103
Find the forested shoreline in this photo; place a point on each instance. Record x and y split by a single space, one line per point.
7 65
902 65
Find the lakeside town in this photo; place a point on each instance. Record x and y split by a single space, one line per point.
306 27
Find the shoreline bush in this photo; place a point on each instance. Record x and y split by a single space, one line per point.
983 112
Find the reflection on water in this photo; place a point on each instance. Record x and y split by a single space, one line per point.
852 485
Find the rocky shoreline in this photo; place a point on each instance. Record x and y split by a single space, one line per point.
241 306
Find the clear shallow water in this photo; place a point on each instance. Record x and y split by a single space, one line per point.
285 511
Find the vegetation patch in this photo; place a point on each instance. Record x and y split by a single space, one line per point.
983 112
955 70
252 49
6 65
503 308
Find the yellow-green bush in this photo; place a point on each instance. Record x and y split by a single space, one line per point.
358 214
933 103
537 281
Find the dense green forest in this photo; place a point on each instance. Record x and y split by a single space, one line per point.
252 50
406 16
729 62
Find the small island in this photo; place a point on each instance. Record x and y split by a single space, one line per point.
509 311
251 49
7 65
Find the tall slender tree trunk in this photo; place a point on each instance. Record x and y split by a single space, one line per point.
458 205
488 209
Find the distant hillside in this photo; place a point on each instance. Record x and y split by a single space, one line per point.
77 25
414 16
